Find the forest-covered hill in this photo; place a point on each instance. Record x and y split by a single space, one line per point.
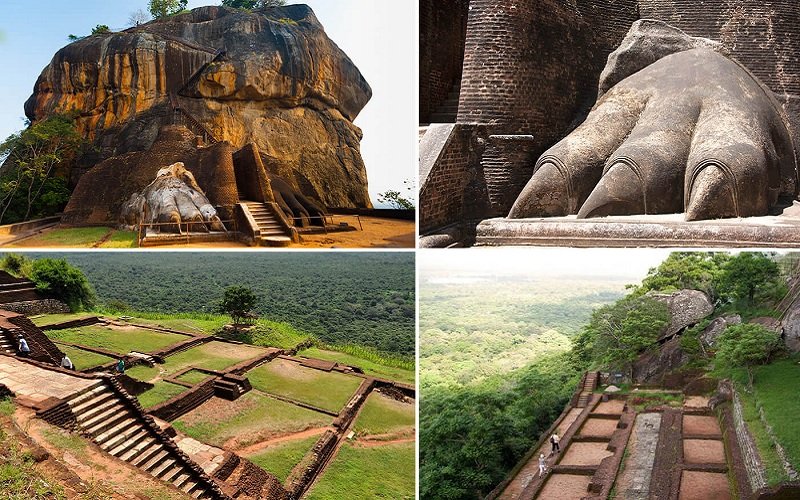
342 298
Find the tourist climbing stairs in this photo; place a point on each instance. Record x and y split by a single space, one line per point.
117 429
447 112
270 231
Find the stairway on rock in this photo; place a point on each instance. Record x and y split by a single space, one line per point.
447 112
7 341
116 429
272 233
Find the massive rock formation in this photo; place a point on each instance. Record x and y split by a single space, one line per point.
272 78
686 308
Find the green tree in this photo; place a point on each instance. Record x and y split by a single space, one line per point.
618 333
237 302
15 264
751 273
164 8
101 29
746 345
32 158
682 270
253 4
58 279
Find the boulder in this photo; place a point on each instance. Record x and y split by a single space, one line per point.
271 77
686 308
651 367
791 329
709 335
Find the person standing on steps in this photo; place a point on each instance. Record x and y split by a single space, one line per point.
121 366
542 465
24 350
554 439
67 363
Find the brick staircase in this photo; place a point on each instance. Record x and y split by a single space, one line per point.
42 348
7 344
447 112
103 416
589 385
270 230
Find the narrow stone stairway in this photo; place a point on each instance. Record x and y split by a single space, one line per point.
447 112
272 232
589 385
7 342
105 419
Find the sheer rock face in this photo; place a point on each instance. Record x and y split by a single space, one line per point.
272 77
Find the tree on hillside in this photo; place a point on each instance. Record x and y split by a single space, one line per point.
238 302
138 17
58 279
253 4
746 345
32 158
101 29
618 333
682 270
15 264
749 274
164 8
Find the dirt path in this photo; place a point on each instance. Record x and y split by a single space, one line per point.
254 448
372 443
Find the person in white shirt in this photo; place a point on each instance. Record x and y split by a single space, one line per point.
67 363
542 465
554 439
24 350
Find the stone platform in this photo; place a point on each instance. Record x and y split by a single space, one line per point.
671 230
37 384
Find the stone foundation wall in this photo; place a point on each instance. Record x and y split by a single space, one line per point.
185 402
507 165
756 474
39 306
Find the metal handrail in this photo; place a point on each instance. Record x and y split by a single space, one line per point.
144 225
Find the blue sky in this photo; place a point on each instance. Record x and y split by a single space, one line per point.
378 35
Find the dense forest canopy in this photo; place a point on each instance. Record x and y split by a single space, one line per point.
341 298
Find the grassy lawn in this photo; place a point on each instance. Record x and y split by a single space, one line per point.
375 472
161 392
280 458
84 359
250 419
211 356
202 324
769 457
775 390
369 367
193 377
384 415
121 239
52 319
81 237
330 391
117 340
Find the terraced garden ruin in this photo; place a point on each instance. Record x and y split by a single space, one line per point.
228 419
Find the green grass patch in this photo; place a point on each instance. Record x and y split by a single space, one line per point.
370 367
18 476
121 239
193 377
7 407
121 341
279 459
160 392
376 472
252 418
330 391
84 359
383 415
79 237
193 322
143 372
211 356
52 319
65 441
642 400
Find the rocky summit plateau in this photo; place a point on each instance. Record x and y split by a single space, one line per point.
269 81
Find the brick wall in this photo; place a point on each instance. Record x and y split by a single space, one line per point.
442 31
756 474
39 306
184 403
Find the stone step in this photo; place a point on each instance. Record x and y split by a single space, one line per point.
172 473
148 454
95 424
180 480
188 486
269 233
120 436
87 394
137 450
155 460
199 493
162 467
140 437
104 401
276 241
116 427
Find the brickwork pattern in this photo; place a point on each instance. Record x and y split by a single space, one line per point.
442 33
507 165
